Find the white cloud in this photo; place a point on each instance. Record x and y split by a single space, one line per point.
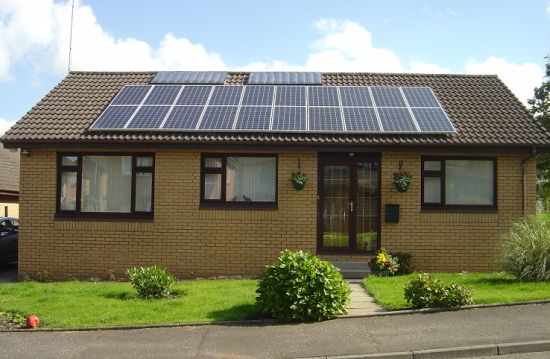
520 78
5 125
37 31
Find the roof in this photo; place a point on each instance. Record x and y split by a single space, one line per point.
9 170
482 109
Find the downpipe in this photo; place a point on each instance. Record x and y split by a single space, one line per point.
524 179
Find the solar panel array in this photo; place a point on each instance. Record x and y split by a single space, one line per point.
190 77
285 78
260 108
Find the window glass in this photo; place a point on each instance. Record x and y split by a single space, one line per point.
67 198
144 161
213 186
432 165
144 191
250 179
213 162
69 160
106 184
432 189
469 182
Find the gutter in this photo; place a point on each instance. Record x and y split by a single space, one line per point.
524 179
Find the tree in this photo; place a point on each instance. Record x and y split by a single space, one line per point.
540 108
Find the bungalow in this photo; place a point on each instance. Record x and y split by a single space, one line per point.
190 170
9 182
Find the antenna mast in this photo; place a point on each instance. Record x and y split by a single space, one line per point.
71 38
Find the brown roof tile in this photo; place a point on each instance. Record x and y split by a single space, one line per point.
483 110
9 170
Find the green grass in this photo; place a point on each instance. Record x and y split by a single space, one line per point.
81 304
487 288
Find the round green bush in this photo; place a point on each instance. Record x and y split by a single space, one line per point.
526 249
302 287
428 292
151 282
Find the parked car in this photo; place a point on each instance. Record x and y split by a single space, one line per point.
9 234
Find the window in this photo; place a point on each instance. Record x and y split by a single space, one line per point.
100 184
459 183
239 180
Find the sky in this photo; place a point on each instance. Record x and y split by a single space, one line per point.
503 37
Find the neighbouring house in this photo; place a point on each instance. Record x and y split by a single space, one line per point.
9 182
190 170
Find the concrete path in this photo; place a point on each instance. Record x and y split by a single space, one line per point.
522 323
361 301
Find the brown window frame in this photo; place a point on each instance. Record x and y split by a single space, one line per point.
223 203
77 213
441 175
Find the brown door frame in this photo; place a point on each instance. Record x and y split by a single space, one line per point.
345 159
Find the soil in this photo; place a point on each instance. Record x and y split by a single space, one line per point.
6 322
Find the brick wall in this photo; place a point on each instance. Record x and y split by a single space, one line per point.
193 242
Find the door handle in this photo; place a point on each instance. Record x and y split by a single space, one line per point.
351 206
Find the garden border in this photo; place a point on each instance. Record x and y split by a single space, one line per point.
260 322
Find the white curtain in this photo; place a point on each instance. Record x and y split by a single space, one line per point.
251 179
144 191
106 184
469 182
432 189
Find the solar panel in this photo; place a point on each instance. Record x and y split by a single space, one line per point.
253 118
323 96
190 77
162 95
149 117
289 119
184 117
194 95
396 120
361 119
251 107
325 119
420 97
226 95
131 95
355 96
285 78
432 120
218 118
387 97
258 96
114 117
291 96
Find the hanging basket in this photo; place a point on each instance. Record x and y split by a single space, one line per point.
298 180
401 181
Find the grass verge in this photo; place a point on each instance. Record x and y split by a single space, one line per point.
488 288
82 304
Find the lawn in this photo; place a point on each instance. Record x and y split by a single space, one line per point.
487 288
81 304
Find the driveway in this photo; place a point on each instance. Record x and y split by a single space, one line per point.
495 325
8 273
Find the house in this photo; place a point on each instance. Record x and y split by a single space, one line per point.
9 182
190 170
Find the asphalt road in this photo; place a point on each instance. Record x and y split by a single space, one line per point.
336 337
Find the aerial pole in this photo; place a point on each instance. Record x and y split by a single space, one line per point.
71 38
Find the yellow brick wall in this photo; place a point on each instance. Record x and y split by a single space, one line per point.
193 242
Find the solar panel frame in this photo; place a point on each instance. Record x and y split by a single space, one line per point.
284 98
325 119
323 96
121 115
420 97
196 95
214 115
148 117
226 96
253 118
257 95
163 95
355 96
131 95
282 114
429 120
385 96
175 118
354 115
397 120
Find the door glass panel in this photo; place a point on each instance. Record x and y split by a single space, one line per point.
336 210
367 206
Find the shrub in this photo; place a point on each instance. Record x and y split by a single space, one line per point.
299 286
428 292
384 264
525 249
151 282
405 263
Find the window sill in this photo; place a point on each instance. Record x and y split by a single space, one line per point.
108 217
345 251
239 206
460 209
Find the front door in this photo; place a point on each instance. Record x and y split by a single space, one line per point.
349 203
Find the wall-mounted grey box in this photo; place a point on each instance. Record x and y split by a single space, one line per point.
391 213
